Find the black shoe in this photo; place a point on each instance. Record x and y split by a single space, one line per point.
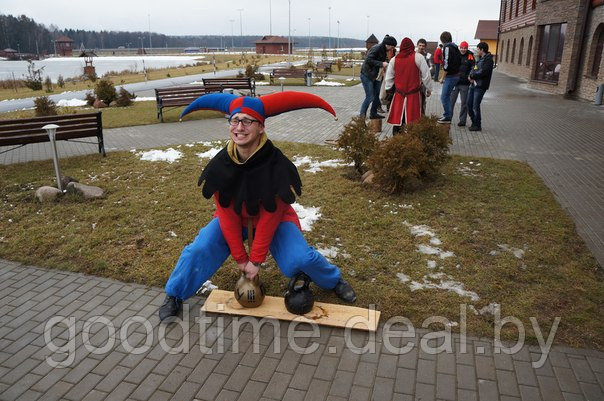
475 128
170 307
345 292
443 120
376 116
461 124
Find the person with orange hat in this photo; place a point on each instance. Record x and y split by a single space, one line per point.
405 75
463 84
253 185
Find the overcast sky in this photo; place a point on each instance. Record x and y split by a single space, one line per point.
400 18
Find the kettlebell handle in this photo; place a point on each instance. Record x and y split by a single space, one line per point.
299 277
255 280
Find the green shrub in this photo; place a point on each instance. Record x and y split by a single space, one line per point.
45 106
33 79
405 161
48 84
357 142
105 91
60 81
90 99
124 98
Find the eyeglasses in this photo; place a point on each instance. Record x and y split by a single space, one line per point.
245 121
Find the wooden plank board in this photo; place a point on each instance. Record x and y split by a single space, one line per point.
333 315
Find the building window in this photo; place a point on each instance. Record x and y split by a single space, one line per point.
520 51
596 50
517 7
524 6
505 3
511 8
549 56
529 51
513 50
500 51
507 52
534 5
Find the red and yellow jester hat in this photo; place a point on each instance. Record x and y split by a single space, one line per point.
258 107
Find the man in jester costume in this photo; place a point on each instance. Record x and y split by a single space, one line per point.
251 180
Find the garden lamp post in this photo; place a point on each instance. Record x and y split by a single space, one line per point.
51 130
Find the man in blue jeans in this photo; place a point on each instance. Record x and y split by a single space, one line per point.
374 62
480 80
451 64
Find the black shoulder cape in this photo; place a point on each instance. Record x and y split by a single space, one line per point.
268 173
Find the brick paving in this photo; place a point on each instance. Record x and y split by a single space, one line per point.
518 124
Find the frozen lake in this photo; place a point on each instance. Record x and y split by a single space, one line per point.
71 67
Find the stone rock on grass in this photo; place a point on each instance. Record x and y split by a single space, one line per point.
367 178
47 194
87 191
99 104
65 180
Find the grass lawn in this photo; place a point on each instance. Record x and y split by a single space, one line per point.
140 113
497 231
223 61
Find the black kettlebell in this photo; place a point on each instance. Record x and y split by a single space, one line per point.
298 298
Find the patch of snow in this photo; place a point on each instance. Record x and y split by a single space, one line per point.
329 253
489 309
518 253
206 288
208 154
172 234
428 250
307 215
261 83
315 166
448 285
435 241
431 264
403 277
170 155
328 83
421 230
71 103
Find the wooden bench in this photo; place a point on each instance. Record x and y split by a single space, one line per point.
176 96
220 84
286 73
326 66
23 131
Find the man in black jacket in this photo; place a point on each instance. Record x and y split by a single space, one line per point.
374 62
451 64
480 80
462 86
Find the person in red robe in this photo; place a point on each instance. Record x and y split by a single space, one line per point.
405 74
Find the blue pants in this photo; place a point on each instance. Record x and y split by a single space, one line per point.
202 258
445 95
436 71
474 99
372 95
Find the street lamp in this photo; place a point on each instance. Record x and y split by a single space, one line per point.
240 27
150 45
270 18
338 42
308 34
329 29
141 40
368 26
289 30
232 35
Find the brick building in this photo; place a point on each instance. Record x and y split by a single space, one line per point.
556 45
273 45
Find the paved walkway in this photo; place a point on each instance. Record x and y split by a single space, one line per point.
559 138
31 296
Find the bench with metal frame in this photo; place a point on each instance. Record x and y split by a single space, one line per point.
23 131
220 84
176 96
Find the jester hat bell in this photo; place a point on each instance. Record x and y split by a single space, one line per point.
258 107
